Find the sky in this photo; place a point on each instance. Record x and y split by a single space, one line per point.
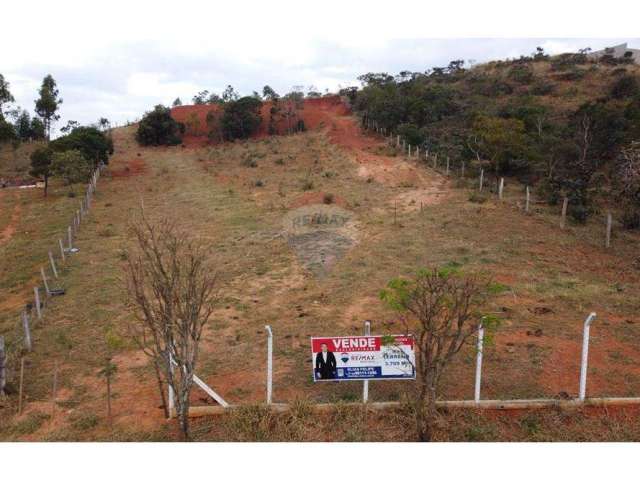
119 59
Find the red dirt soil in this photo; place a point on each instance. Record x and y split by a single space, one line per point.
316 112
137 166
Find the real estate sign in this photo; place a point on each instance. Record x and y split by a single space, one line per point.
374 357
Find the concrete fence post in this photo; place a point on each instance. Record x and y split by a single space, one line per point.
3 366
27 330
397 140
64 259
585 355
44 280
501 188
563 219
447 168
269 364
409 150
36 298
365 384
527 200
462 170
69 238
481 179
53 264
479 348
607 241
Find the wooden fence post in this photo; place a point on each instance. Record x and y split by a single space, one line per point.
3 366
53 264
563 220
447 170
481 179
397 140
27 330
501 188
607 242
526 203
409 150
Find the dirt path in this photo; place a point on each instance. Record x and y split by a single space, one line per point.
374 162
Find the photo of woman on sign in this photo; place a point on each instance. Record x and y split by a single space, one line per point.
325 364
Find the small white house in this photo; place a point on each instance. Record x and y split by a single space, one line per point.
617 51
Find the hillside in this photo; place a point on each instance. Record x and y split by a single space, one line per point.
243 198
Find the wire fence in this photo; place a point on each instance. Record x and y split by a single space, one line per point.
19 342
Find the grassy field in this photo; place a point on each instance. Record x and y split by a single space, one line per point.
237 197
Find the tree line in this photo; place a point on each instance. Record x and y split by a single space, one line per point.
231 117
510 119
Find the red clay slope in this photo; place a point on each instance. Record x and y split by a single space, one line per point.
316 113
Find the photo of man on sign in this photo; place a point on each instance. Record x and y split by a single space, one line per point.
369 357
325 364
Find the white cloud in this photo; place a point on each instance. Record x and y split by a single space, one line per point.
119 58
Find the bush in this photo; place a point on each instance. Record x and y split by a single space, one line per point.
241 118
631 218
328 198
94 145
157 127
626 86
542 88
477 197
522 74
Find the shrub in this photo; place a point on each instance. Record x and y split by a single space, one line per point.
477 197
542 88
631 218
241 118
626 86
157 127
307 185
328 198
521 73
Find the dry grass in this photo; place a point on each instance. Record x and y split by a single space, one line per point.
212 193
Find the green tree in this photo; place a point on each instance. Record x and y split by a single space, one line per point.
48 103
71 166
229 95
177 102
41 160
269 93
95 145
7 131
5 93
241 118
497 140
201 97
158 127
23 126
37 129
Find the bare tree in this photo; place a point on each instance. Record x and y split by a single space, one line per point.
173 295
440 306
